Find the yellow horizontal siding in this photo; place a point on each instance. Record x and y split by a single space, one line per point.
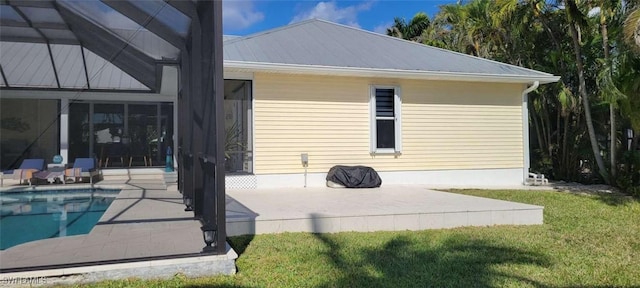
445 125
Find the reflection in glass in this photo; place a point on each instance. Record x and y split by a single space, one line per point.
108 131
42 15
7 12
166 14
124 135
237 114
29 129
127 29
143 134
385 134
166 128
79 131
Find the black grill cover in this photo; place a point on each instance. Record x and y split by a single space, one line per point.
354 176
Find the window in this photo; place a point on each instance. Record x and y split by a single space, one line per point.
385 103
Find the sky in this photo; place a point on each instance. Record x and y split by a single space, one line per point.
245 17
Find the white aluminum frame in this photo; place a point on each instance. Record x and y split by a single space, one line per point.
397 117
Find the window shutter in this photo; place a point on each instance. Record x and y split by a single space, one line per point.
384 102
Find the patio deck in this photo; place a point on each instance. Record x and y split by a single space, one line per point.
147 222
145 232
388 208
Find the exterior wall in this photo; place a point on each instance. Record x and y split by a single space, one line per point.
445 125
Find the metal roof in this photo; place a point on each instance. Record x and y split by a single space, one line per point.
30 65
320 44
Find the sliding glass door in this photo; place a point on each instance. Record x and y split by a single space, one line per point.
29 129
237 117
122 134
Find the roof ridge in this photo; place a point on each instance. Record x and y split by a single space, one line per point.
272 30
429 46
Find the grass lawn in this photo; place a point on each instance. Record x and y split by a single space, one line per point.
586 241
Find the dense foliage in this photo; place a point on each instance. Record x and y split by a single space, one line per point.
580 126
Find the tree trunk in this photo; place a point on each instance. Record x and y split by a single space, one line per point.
585 102
536 126
565 157
612 108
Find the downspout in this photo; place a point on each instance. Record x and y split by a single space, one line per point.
525 130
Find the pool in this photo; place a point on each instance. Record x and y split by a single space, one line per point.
35 215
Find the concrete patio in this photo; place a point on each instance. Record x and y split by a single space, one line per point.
388 208
147 226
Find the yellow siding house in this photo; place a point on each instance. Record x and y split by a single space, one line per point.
344 96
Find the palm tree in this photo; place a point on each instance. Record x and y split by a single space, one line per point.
410 31
631 28
610 95
576 19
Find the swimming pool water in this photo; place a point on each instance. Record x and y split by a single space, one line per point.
35 215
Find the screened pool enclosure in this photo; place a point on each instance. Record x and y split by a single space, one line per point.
122 81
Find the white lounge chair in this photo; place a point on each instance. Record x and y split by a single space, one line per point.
537 179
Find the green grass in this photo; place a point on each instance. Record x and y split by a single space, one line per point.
586 241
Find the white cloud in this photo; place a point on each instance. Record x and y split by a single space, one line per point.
331 12
594 12
382 28
239 14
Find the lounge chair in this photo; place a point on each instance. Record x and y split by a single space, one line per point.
537 179
25 172
83 167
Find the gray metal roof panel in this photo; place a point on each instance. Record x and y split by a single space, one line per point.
68 61
27 64
322 43
105 75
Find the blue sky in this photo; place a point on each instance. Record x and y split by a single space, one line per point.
244 17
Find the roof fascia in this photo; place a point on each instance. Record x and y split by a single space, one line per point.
387 73
110 47
147 21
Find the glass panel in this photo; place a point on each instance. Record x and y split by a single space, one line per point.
79 131
58 34
142 139
384 102
27 65
108 131
8 13
68 61
127 29
29 129
237 113
166 14
8 32
166 128
42 15
385 134
105 75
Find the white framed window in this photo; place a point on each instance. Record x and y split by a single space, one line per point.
386 122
